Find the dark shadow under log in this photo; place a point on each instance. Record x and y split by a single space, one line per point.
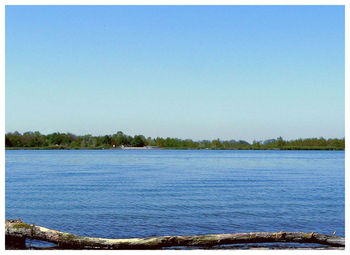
17 230
15 243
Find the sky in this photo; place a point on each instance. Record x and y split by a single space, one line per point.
199 72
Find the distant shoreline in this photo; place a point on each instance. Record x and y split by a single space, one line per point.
144 148
36 140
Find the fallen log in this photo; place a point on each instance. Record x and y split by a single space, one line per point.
16 230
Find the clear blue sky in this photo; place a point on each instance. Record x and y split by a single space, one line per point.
200 72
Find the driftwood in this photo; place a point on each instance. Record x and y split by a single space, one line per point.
17 231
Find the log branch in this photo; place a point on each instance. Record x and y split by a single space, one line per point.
17 229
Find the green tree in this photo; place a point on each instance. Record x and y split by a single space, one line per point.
138 141
280 142
107 139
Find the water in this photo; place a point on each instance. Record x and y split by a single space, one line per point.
141 193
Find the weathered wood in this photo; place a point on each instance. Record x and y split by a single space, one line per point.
18 229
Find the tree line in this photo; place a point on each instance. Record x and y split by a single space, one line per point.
36 140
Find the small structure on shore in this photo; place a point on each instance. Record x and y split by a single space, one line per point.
138 148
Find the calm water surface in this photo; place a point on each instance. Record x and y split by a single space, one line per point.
140 193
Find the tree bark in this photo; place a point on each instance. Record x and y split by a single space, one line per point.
16 229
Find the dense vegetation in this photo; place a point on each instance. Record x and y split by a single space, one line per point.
36 140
